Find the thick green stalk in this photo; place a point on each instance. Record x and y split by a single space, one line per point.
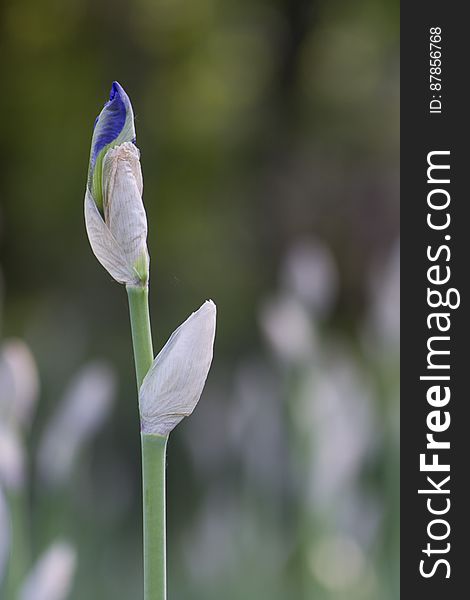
153 478
141 333
153 457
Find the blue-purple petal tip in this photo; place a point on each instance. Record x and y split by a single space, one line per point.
116 89
111 120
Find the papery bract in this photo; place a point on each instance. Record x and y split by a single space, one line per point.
172 387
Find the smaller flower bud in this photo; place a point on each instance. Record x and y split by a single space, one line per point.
172 387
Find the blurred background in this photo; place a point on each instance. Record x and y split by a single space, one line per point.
269 139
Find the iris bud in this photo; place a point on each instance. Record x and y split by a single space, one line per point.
115 216
172 387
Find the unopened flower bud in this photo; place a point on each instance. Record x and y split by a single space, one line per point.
172 387
114 212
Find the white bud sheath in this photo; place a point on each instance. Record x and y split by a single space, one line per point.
52 576
172 387
119 239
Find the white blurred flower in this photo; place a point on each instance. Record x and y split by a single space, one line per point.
19 383
172 387
205 547
336 408
384 318
4 536
52 576
309 271
359 514
209 453
12 458
82 412
288 329
258 400
337 562
253 540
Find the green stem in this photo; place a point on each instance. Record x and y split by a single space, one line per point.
153 479
153 457
141 333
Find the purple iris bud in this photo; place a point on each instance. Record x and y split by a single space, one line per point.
111 120
113 126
